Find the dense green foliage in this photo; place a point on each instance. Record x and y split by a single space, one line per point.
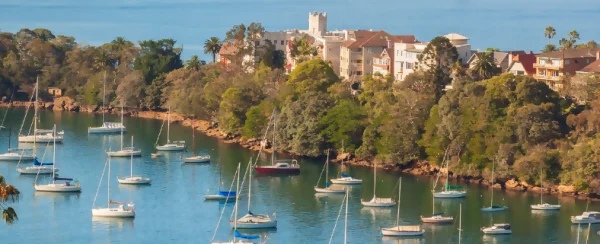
518 123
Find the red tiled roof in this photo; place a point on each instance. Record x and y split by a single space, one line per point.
376 39
594 67
571 53
527 60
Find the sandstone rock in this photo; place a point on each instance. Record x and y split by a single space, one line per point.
497 186
566 189
49 105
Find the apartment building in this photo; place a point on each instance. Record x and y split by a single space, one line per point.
593 68
553 68
361 47
522 64
384 64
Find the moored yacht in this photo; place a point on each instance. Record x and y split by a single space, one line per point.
121 211
170 145
586 218
497 229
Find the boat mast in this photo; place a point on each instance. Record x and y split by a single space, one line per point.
541 187
459 222
169 125
104 97
53 154
35 114
346 219
447 176
493 168
327 170
193 139
342 158
399 194
122 112
237 195
249 185
108 180
9 135
131 159
274 132
374 180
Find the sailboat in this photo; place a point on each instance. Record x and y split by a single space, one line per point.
131 179
278 166
493 208
251 220
345 179
170 145
327 189
121 211
66 186
402 230
542 205
15 154
437 218
222 195
377 202
344 202
194 158
107 127
39 135
235 213
448 191
12 94
127 151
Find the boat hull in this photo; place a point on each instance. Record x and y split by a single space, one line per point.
264 225
103 130
378 203
15 157
576 220
170 148
497 232
134 180
329 190
39 139
494 209
197 159
58 188
545 207
32 170
394 232
125 153
218 198
435 220
344 181
450 194
271 170
113 213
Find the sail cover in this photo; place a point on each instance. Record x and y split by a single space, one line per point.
345 175
38 163
436 214
227 193
240 235
65 179
448 186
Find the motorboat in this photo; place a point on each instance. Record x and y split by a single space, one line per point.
586 218
497 229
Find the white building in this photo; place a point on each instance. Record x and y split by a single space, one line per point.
461 43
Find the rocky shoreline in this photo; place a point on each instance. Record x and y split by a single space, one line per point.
421 168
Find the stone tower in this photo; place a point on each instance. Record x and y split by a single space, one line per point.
317 23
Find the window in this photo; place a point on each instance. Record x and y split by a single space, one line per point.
398 52
275 42
282 41
409 65
555 62
368 62
542 72
358 72
368 73
257 43
567 62
587 61
554 73
520 72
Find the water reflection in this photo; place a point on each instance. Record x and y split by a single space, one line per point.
493 239
58 195
403 240
104 223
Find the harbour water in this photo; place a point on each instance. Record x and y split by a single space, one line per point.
508 25
172 209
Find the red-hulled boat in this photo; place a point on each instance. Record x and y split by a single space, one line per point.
280 168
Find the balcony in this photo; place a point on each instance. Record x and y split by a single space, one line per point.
546 77
547 66
381 61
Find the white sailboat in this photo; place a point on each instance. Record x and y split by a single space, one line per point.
121 211
542 205
493 208
127 151
170 145
235 213
344 202
345 179
402 230
16 154
277 166
39 135
106 127
436 218
133 179
377 202
251 220
66 185
448 191
194 158
327 189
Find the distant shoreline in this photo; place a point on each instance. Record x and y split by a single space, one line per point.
421 168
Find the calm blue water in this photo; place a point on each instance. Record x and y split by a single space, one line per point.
172 209
508 24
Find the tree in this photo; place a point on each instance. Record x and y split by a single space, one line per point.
485 66
438 58
302 49
564 44
549 33
157 58
314 75
8 192
194 63
269 55
492 49
573 37
344 123
549 48
212 47
131 89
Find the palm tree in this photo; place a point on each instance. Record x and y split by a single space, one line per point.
549 33
549 48
8 192
194 63
101 59
573 37
212 47
485 66
565 44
